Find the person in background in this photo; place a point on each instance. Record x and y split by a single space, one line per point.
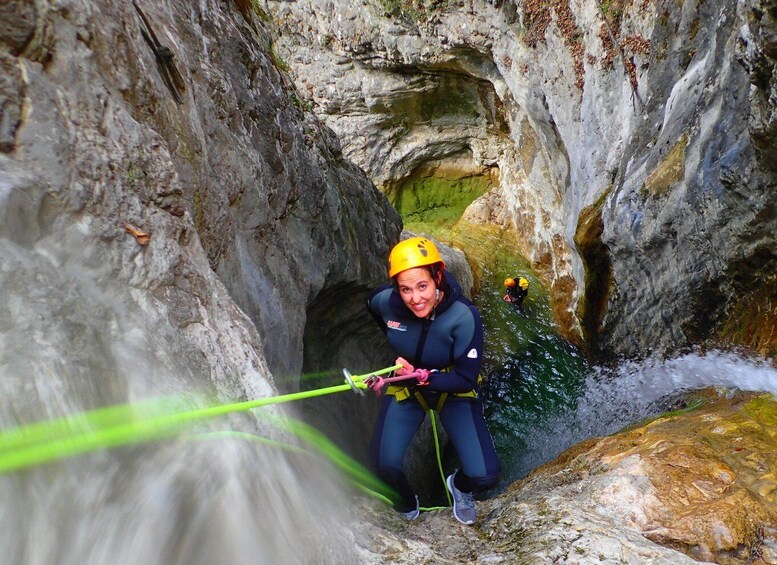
436 333
516 292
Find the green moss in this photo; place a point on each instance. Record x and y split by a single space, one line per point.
668 172
763 409
260 12
297 102
199 210
613 10
134 172
279 63
692 405
437 201
246 7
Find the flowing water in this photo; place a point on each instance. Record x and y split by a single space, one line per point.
543 397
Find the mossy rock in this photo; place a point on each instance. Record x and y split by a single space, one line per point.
669 172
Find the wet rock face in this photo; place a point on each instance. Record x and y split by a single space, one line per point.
700 481
693 485
758 51
690 227
630 110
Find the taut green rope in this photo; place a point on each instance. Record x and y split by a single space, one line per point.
433 414
46 441
81 422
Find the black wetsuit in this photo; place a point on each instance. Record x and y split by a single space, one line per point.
451 342
515 295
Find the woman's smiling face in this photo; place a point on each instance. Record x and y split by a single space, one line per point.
418 290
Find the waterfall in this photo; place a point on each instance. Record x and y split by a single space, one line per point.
610 399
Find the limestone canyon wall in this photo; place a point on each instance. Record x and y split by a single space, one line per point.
634 142
202 147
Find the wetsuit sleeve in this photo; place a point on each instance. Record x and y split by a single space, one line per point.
468 351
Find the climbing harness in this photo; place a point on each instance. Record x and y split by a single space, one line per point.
401 393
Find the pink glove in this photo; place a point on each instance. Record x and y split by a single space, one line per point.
406 369
506 298
375 384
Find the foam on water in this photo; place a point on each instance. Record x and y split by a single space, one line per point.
613 399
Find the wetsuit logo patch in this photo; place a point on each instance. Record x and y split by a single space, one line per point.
392 325
473 353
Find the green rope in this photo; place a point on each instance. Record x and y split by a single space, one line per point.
46 441
340 459
81 423
357 474
433 414
125 424
207 436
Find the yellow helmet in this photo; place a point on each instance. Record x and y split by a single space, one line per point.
523 283
509 282
413 252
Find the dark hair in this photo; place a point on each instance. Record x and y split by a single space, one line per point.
434 270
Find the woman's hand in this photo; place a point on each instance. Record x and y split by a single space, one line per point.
406 369
421 375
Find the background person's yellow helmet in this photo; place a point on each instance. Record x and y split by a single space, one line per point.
413 252
509 282
523 283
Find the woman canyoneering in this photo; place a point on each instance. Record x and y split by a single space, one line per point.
437 334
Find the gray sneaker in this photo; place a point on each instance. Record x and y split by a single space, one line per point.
463 503
412 514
